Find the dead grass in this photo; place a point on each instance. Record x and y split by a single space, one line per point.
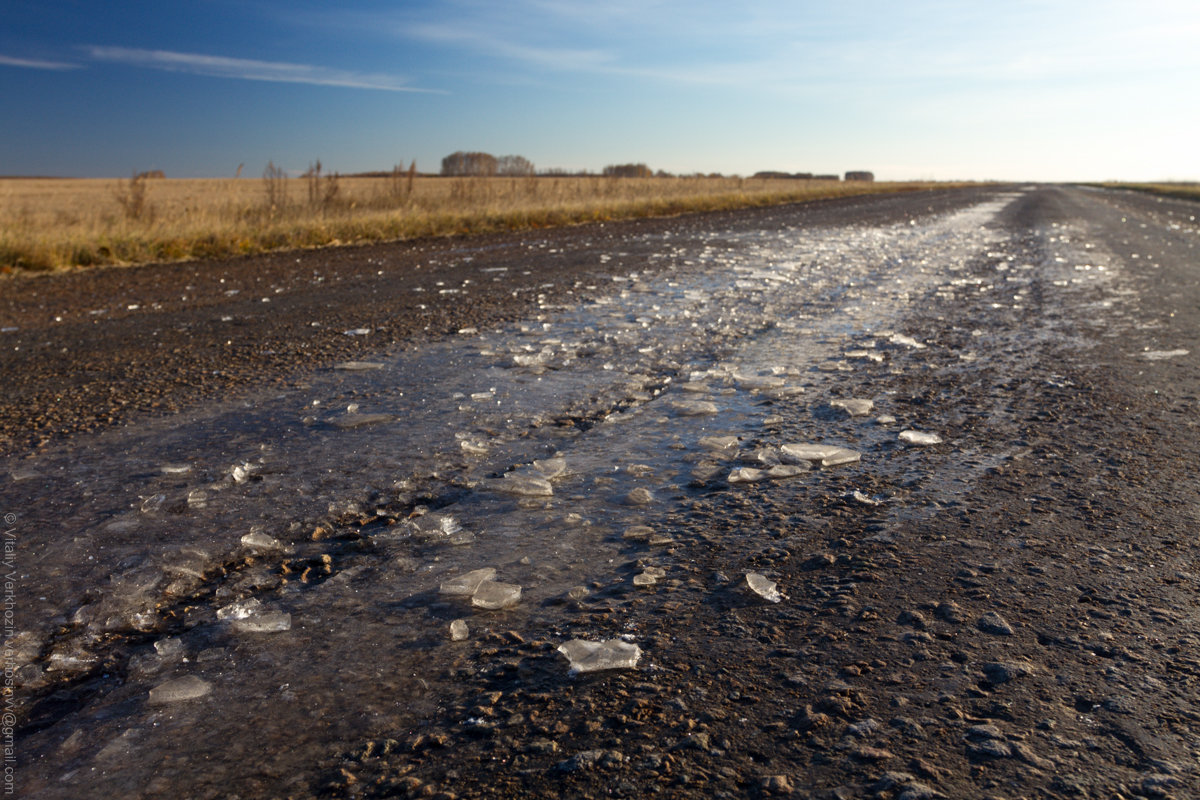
1188 191
48 224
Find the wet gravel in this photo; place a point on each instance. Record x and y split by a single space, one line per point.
86 350
1008 613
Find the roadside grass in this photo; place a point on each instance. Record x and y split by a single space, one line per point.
1188 191
52 224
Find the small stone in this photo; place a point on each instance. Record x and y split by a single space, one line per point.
864 727
819 561
695 741
920 791
866 753
913 619
591 759
776 784
989 748
639 497
950 612
984 732
993 623
891 781
998 672
1023 752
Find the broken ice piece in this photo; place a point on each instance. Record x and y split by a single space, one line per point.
693 408
266 622
261 541
885 419
524 486
551 468
495 595
459 630
718 443
644 579
780 471
854 407
355 420
585 656
842 456
907 341
473 448
175 469
764 588
919 437
358 366
809 452
863 499
766 456
468 582
746 475
186 688
241 609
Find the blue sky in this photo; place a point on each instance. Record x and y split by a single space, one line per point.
1067 90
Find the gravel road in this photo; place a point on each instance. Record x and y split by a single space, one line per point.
247 503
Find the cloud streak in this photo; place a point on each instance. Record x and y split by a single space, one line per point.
33 63
252 70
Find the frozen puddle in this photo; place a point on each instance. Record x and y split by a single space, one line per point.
337 542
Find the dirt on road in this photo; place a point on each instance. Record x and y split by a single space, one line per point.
1005 609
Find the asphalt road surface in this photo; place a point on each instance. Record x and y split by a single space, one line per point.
884 497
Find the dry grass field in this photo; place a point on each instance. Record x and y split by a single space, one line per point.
49 224
1188 191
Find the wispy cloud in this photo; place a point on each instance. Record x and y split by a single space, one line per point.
485 42
33 63
252 70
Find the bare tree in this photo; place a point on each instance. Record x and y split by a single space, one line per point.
628 171
517 166
474 164
275 184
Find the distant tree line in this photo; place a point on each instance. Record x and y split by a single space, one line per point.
477 164
627 171
486 165
800 176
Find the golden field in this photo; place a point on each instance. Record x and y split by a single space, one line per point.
50 223
1188 191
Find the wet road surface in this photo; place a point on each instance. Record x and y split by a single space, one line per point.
958 433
